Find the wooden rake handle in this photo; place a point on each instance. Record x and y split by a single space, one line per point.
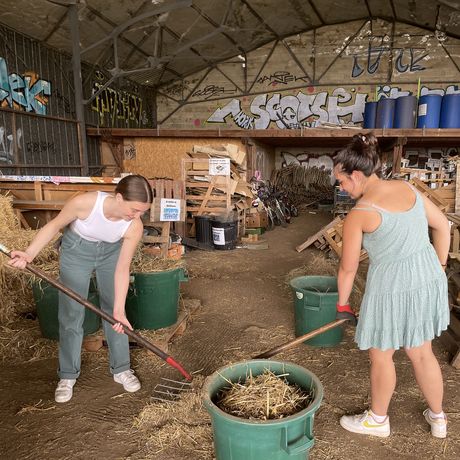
302 338
110 319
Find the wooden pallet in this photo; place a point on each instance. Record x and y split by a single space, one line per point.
329 237
205 194
430 193
451 340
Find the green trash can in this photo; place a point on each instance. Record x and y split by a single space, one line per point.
46 299
153 299
235 438
315 299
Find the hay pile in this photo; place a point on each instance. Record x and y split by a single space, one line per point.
265 397
15 284
183 424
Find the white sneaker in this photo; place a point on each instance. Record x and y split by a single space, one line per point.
438 425
366 424
129 381
64 390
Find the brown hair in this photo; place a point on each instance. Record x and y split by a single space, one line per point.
135 188
361 154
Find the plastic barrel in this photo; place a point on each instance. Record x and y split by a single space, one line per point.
203 229
429 111
370 114
236 438
450 111
385 113
405 112
152 302
315 300
47 303
224 234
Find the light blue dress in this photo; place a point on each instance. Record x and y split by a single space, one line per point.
406 300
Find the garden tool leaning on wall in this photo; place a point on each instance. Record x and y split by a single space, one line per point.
139 339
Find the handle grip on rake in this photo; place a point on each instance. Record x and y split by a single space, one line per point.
301 339
110 319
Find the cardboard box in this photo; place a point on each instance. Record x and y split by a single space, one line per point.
256 220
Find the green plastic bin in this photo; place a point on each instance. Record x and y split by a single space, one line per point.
46 299
235 438
315 299
153 299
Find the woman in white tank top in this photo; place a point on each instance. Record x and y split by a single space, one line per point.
101 235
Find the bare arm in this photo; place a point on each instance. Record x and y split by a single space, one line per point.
351 249
440 230
77 207
122 270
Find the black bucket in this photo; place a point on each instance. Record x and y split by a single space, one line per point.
224 234
203 230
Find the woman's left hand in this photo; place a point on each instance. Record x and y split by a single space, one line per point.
122 320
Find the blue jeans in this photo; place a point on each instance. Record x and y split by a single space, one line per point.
79 258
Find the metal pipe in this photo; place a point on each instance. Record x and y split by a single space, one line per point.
76 68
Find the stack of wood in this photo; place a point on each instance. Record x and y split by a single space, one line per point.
303 184
329 238
217 195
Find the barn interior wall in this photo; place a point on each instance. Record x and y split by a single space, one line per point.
313 78
162 157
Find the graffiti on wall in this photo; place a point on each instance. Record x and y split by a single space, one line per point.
281 77
341 106
117 104
293 112
405 60
25 92
7 145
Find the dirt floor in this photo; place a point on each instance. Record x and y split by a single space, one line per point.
247 308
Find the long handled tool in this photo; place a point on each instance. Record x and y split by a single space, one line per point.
302 338
140 340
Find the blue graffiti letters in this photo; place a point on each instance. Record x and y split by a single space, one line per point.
25 92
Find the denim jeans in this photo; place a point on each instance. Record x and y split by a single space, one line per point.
79 258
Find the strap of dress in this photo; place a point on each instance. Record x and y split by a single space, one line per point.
370 207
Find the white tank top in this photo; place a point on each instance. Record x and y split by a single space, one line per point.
96 227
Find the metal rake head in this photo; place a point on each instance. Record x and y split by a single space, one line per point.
169 390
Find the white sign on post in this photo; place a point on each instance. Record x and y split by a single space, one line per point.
219 166
169 210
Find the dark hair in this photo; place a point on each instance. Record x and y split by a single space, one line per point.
135 188
361 154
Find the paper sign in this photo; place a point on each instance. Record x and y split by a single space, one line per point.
219 166
169 210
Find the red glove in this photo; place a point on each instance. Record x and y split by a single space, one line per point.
345 312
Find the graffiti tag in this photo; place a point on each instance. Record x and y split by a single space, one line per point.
23 92
282 77
407 60
7 148
293 112
120 105
211 91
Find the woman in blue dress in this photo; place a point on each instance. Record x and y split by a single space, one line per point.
405 304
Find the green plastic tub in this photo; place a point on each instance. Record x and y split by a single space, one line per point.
153 299
315 299
46 299
235 438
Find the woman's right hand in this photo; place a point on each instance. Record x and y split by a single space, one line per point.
19 259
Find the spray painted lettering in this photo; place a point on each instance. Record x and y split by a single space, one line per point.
7 145
120 105
23 92
407 60
293 112
282 77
